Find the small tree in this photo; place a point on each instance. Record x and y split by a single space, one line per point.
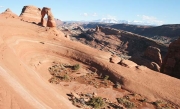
96 102
65 77
76 67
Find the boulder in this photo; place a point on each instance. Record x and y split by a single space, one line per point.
67 36
50 21
153 54
115 59
128 63
154 66
31 13
171 63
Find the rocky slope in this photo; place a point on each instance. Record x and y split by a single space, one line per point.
164 34
9 14
28 50
125 45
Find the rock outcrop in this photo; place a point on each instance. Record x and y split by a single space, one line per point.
9 13
171 63
50 22
67 36
97 29
31 13
126 45
108 31
115 59
154 66
153 53
127 63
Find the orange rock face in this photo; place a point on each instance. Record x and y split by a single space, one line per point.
109 31
154 66
50 22
153 54
171 63
31 13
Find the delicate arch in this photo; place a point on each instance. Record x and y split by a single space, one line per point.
50 22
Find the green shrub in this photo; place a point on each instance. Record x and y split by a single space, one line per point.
125 102
76 67
96 102
65 77
106 77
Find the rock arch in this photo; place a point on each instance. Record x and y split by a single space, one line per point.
50 21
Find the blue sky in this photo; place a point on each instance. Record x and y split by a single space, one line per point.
157 11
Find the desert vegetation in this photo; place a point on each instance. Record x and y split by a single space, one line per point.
62 72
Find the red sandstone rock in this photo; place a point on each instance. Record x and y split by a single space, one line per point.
9 13
153 54
127 63
31 13
155 67
115 59
109 31
50 22
171 63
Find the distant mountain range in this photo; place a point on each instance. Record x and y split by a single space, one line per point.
115 21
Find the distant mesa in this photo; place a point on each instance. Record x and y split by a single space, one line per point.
31 14
108 31
9 14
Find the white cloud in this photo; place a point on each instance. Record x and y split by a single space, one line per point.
151 19
94 14
85 14
1 6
